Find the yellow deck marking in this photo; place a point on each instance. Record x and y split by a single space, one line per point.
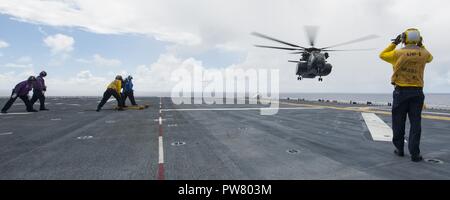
365 109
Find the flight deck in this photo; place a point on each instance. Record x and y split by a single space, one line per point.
305 140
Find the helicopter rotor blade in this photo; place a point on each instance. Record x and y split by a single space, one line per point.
330 50
311 32
300 52
276 40
368 37
282 48
293 61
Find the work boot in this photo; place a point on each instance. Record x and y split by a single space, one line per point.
4 111
33 110
416 158
399 153
98 109
44 109
120 109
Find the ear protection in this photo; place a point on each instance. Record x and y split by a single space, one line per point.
404 37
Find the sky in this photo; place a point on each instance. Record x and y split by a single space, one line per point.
83 44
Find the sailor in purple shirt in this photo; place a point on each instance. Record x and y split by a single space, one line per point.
21 91
39 90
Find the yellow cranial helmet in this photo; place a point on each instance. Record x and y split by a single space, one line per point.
411 36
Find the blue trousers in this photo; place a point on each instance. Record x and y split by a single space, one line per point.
408 101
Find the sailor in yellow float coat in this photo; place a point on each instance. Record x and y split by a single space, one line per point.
113 89
408 70
116 85
408 64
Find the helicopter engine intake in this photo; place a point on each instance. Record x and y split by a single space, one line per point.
325 70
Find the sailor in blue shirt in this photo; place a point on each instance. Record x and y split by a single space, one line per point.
128 91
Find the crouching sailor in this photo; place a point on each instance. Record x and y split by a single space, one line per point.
112 90
38 90
128 91
21 91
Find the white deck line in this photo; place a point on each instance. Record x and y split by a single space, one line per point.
238 109
27 113
161 151
7 133
379 130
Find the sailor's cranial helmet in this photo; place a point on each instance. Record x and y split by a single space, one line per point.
411 36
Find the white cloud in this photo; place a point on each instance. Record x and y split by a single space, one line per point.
156 77
87 77
107 17
24 59
59 43
23 62
202 25
9 79
101 61
3 44
15 65
84 83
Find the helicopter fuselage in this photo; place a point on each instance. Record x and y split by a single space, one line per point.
313 64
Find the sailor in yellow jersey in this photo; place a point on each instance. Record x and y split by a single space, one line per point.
113 89
408 98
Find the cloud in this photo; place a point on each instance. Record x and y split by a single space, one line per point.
86 76
98 60
194 28
23 62
105 17
156 77
84 83
3 44
101 61
24 59
15 65
42 31
59 43
9 79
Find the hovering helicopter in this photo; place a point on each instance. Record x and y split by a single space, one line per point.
313 60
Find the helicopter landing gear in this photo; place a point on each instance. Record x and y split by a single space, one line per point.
299 78
320 79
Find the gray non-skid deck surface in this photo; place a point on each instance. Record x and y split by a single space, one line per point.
219 144
44 145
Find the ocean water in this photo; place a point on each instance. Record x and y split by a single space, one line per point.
437 100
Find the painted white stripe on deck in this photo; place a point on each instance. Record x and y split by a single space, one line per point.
7 133
160 121
109 100
27 113
73 104
379 130
161 150
238 109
